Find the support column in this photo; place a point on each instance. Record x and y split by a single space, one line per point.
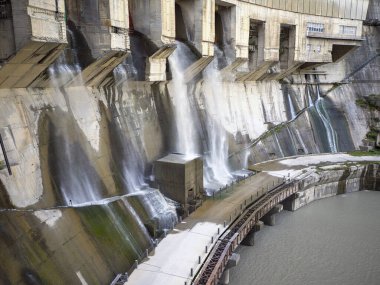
290 203
156 20
39 33
270 219
249 240
293 61
232 262
204 37
267 51
114 42
156 64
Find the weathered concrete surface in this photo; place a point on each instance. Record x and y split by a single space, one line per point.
86 245
102 27
33 36
171 265
329 175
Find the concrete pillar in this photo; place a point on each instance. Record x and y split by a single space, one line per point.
115 41
242 35
249 240
207 33
272 41
267 52
225 278
270 218
199 19
156 64
232 262
290 203
39 36
156 20
293 63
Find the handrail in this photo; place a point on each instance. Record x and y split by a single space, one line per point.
216 262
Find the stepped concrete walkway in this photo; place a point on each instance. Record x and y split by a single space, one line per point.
177 256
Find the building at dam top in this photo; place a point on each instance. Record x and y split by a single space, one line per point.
262 39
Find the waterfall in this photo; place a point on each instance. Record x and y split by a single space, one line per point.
217 171
62 72
130 157
186 130
308 94
291 106
331 134
318 108
124 231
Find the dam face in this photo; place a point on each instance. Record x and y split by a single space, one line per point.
94 93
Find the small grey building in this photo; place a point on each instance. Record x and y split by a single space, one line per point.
180 177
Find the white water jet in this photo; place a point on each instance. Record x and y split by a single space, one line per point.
217 171
187 134
291 106
330 132
319 107
308 94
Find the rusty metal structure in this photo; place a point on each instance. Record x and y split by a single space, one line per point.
217 260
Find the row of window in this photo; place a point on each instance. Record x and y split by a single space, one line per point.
348 30
315 27
320 28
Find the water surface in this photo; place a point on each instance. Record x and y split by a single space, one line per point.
333 241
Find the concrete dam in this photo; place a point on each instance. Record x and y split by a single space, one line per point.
142 141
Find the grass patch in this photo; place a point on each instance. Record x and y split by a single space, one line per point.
365 153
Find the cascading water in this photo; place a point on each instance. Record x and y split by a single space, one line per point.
130 156
185 117
217 171
62 72
291 106
318 108
331 134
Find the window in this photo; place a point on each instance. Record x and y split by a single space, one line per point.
315 27
308 47
318 49
348 30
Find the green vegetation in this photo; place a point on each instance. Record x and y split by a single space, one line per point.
361 103
365 153
372 135
2 165
371 102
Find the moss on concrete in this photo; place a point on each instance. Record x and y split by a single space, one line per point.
118 236
375 152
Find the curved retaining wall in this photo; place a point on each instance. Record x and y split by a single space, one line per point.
319 183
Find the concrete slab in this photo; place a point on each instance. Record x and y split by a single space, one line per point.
176 254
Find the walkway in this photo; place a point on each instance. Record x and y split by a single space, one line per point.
179 252
177 255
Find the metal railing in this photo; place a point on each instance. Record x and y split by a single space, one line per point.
216 262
